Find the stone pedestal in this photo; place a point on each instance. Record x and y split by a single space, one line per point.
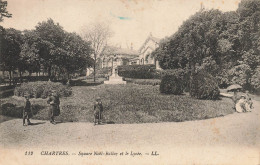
115 79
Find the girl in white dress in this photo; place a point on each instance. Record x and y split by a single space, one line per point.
240 105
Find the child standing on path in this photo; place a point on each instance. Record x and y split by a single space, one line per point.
27 112
98 109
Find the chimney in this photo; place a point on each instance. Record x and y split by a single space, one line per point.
131 46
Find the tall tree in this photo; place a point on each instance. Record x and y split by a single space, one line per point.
195 40
98 34
225 44
249 32
76 55
3 10
51 36
30 51
11 41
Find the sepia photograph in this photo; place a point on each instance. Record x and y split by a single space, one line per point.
123 82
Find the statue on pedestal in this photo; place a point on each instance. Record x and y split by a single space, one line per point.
114 78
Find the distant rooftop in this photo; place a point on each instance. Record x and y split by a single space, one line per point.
150 37
155 39
110 50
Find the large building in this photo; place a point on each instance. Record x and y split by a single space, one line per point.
114 56
145 52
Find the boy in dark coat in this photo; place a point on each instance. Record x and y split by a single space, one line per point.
54 109
98 109
27 112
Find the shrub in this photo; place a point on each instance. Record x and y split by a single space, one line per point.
171 84
35 78
223 79
181 74
255 81
240 74
204 86
42 89
6 93
9 109
177 72
136 71
144 81
14 108
3 88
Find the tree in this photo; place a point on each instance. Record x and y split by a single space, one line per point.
3 11
194 44
227 45
30 52
240 74
76 55
51 37
255 80
98 34
59 52
195 40
11 41
249 32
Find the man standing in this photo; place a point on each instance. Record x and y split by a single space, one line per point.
27 111
54 109
98 110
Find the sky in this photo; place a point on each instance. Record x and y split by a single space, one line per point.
130 20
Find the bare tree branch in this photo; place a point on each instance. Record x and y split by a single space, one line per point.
98 34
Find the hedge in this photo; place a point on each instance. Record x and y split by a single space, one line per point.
137 71
42 89
144 81
6 93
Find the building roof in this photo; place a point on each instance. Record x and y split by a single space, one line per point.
150 37
126 51
110 50
155 39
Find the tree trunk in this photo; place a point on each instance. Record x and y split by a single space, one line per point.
20 73
192 66
13 78
10 77
68 76
112 66
49 72
95 60
4 76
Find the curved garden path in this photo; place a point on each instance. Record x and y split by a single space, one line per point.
232 139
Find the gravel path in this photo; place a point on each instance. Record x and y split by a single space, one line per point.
234 138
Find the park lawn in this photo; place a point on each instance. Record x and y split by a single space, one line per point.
129 103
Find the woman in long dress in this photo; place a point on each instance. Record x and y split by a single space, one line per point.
242 105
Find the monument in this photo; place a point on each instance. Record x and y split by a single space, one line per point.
115 78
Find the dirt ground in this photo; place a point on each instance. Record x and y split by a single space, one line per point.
232 139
